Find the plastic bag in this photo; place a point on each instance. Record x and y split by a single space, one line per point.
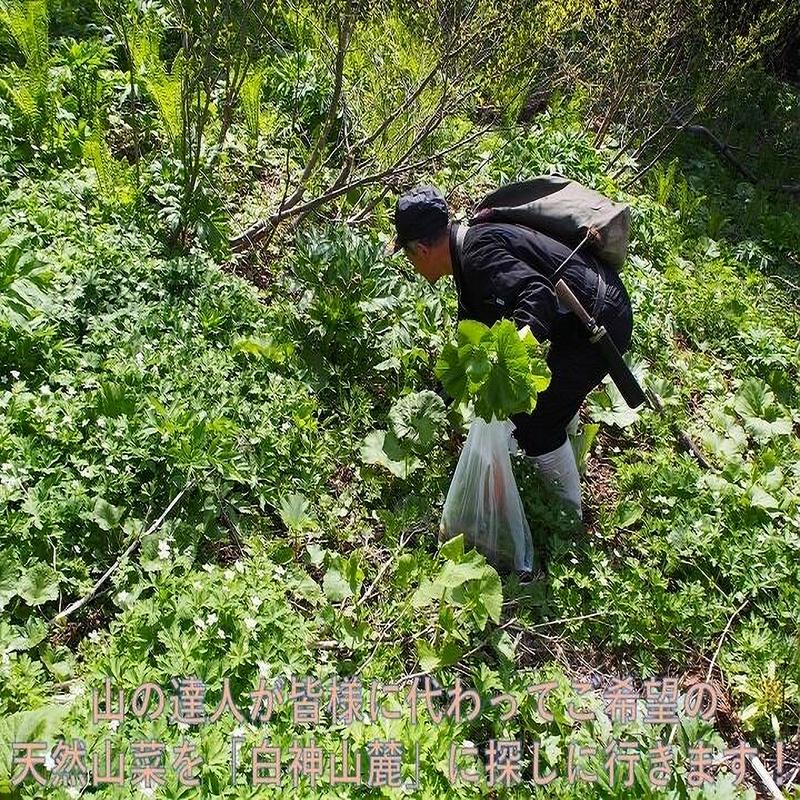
483 501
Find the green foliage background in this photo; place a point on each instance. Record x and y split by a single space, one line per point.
304 422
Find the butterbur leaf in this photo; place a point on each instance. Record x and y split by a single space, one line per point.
453 549
582 444
428 657
353 572
452 372
316 554
763 417
419 419
39 725
335 586
628 512
454 574
470 331
499 369
609 407
32 634
753 398
762 499
491 592
105 515
39 585
384 449
426 594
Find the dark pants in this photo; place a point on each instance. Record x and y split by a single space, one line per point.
577 367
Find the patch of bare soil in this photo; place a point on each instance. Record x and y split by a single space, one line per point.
76 628
600 489
252 267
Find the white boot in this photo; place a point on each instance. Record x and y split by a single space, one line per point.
559 467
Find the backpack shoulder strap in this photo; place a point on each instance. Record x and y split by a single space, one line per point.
461 233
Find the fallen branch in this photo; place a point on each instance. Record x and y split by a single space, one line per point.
382 571
116 565
722 147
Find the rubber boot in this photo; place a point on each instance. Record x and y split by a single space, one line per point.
559 467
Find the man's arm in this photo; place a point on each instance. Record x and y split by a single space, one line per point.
510 287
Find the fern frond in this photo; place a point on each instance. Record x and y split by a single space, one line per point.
251 101
28 24
114 180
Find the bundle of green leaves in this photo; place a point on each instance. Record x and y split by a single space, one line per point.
499 370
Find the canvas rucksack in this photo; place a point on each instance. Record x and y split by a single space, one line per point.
563 209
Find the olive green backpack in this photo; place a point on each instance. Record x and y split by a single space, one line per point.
564 210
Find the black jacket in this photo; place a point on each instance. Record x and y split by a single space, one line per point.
504 272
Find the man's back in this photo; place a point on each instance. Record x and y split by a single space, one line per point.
505 270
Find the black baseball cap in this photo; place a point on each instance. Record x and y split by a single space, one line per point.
419 213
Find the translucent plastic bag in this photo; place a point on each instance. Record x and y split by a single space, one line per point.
483 501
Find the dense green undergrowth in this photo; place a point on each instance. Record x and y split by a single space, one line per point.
309 447
137 374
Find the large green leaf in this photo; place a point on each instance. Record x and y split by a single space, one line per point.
431 659
39 585
384 449
500 370
336 586
294 511
608 406
763 417
753 398
39 725
419 418
105 515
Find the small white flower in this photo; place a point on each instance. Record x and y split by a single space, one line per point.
209 568
49 762
220 633
183 726
366 719
45 389
200 623
279 570
76 689
147 791
239 567
255 601
238 731
211 619
164 550
94 636
73 791
123 597
15 374
264 669
114 724
228 574
250 623
468 743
